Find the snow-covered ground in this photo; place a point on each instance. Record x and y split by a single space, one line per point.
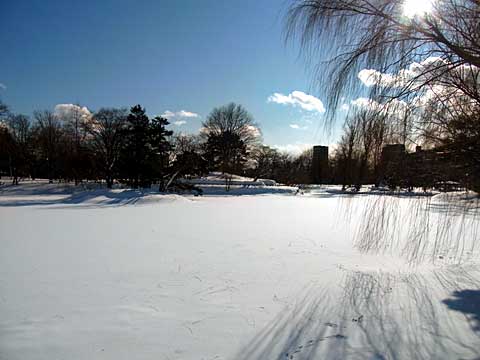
124 274
217 178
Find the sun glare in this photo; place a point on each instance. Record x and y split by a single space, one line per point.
412 8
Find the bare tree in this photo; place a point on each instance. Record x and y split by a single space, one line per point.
230 132
75 119
235 119
347 146
106 128
378 34
187 156
366 123
49 135
19 132
379 132
186 143
263 159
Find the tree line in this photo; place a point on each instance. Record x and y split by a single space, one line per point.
129 147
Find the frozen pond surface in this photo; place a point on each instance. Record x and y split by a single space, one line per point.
123 275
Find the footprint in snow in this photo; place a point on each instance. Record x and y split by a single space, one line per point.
359 319
309 343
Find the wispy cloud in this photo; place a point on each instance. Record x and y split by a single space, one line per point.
298 127
294 149
3 86
178 118
365 103
298 99
168 114
179 114
187 114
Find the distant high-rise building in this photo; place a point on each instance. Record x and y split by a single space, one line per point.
320 164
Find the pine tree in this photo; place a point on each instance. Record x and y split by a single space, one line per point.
159 148
136 151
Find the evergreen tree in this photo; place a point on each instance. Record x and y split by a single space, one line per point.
3 109
136 150
159 148
190 163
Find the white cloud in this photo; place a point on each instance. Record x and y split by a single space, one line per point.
417 72
3 86
295 149
394 107
187 114
254 131
428 81
370 77
298 127
363 102
300 99
345 107
178 118
179 114
168 114
67 111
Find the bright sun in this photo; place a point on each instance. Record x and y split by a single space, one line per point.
412 8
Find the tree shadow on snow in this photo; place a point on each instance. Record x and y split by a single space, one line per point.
83 199
413 228
68 195
468 302
374 316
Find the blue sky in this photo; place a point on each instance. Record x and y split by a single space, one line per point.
166 55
